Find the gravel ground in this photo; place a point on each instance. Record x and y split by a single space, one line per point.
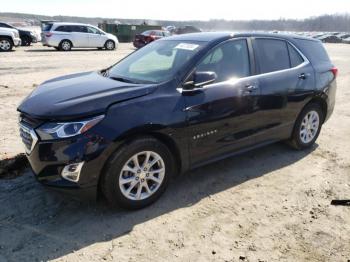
271 204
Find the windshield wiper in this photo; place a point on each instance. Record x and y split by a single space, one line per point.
122 79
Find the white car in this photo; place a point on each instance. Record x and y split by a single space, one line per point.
65 36
8 39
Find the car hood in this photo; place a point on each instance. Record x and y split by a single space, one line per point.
23 31
111 36
79 95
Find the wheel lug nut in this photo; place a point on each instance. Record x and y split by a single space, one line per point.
145 169
147 175
137 178
139 171
142 180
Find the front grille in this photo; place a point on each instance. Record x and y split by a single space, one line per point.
27 133
27 125
27 138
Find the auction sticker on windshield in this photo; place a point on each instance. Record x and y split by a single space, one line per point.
186 46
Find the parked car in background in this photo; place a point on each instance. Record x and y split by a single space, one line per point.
330 39
344 35
170 28
187 29
65 36
27 37
9 38
178 103
346 40
149 36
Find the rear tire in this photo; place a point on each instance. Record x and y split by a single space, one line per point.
134 184
307 127
110 45
5 44
65 45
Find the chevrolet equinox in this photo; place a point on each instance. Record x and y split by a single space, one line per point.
178 103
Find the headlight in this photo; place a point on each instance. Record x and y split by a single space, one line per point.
62 130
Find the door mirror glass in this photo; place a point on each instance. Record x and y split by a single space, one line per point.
200 79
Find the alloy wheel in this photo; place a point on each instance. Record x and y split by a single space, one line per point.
309 127
142 175
5 45
66 46
110 45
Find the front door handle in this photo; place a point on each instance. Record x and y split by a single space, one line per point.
250 87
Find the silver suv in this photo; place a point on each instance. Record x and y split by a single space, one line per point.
65 36
8 38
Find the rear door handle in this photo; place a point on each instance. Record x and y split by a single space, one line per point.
303 76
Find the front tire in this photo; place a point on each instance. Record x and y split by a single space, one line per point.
5 45
110 45
138 173
307 127
26 41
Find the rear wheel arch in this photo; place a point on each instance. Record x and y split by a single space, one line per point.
65 40
321 102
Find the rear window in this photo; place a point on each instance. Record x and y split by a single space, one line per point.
272 55
313 50
46 27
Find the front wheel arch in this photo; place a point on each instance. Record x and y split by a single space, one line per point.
118 153
167 141
110 40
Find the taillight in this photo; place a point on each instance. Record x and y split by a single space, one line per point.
48 34
150 38
334 71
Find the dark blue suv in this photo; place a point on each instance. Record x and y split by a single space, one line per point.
173 105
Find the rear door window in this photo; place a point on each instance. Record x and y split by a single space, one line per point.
272 55
229 60
79 29
63 28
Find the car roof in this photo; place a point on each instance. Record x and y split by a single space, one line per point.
217 36
67 23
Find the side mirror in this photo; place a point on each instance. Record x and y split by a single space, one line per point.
200 79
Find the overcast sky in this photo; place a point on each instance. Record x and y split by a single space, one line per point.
180 9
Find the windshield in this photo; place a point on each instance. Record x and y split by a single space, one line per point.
156 62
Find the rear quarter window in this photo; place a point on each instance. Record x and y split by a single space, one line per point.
295 57
313 50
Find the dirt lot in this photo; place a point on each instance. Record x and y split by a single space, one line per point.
272 204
